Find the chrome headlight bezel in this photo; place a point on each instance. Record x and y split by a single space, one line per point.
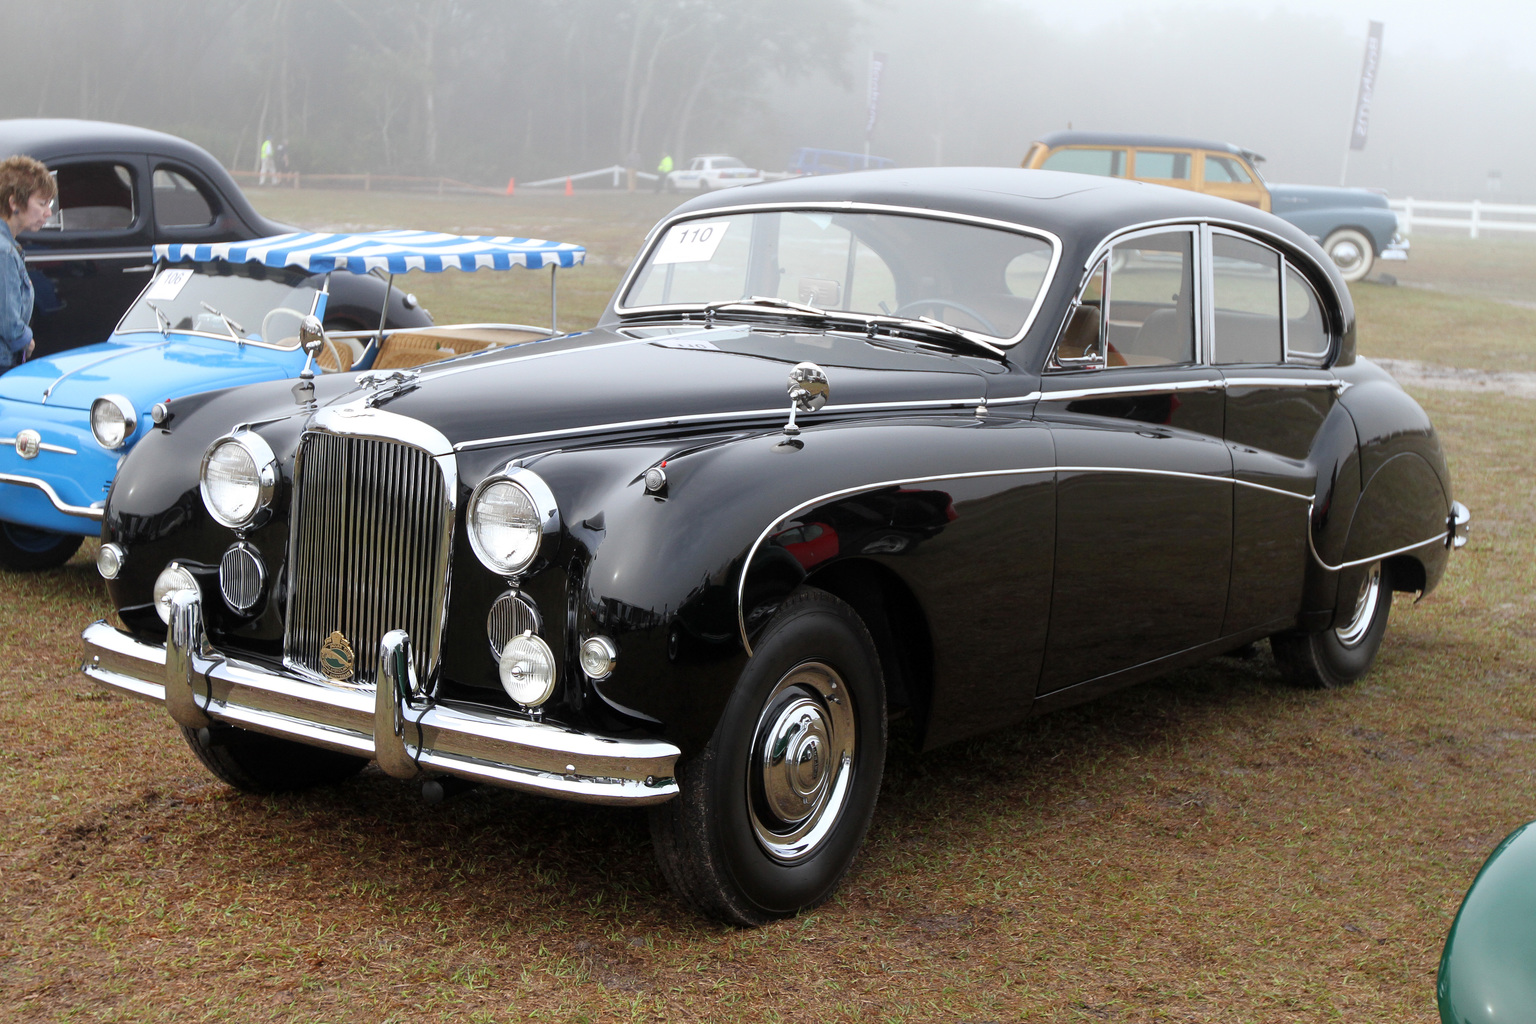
265 464
105 429
546 513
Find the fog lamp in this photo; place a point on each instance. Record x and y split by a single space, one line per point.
527 670
171 579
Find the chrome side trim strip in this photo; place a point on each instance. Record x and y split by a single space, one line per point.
1438 538
97 362
1333 384
470 742
1132 389
776 413
43 446
71 256
83 511
741 582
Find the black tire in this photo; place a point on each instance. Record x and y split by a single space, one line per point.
23 549
726 844
1351 252
257 763
1338 656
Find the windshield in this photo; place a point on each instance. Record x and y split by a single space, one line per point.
980 279
245 293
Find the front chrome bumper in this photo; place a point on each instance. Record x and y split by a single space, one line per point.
95 512
1397 249
409 736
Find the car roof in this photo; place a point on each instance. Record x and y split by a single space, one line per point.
39 135
1087 138
1074 207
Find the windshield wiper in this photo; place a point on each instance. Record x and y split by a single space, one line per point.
229 325
161 320
764 300
893 324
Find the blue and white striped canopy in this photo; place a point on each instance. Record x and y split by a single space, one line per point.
392 251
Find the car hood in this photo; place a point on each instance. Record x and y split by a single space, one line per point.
609 378
1286 198
144 368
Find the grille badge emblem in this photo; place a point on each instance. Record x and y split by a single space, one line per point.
336 657
28 442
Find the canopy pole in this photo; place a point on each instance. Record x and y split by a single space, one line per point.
552 307
389 289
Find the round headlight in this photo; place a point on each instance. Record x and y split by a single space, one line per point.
527 670
171 579
112 420
509 517
239 477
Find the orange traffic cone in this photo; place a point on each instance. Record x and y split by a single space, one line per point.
568 189
511 185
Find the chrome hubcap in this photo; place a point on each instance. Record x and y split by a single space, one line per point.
802 760
1346 255
1353 631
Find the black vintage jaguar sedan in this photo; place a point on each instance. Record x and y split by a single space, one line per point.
962 444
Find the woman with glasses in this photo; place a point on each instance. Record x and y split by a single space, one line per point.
27 192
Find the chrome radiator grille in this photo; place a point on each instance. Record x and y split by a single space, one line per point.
368 553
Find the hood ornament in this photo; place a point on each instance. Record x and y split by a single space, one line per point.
809 390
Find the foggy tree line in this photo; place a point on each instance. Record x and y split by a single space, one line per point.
464 88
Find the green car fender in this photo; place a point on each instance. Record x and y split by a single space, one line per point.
1488 969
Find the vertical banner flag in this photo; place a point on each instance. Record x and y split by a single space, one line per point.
876 66
1362 121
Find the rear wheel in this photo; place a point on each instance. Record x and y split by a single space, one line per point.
1337 657
258 763
774 809
23 549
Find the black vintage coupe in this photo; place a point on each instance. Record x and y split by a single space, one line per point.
123 189
1044 436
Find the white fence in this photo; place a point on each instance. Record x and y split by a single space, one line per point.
1474 217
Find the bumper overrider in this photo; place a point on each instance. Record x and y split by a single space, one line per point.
398 725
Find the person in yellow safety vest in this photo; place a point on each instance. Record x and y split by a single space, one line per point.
268 164
662 170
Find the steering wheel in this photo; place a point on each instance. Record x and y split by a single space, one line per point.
908 307
266 335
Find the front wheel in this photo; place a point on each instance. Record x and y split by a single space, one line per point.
1351 253
1338 656
258 763
23 549
773 810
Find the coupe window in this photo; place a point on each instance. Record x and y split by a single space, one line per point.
980 279
244 301
178 202
1245 287
93 197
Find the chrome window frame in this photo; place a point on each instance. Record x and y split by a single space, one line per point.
659 232
1208 232
162 265
1101 254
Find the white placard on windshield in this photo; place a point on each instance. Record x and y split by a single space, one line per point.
693 242
168 285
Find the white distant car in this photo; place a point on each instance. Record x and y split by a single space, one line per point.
706 172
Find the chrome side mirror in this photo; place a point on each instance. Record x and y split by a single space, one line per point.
809 390
312 340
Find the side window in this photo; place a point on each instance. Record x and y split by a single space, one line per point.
1245 297
1306 333
1162 164
1150 306
1108 163
1225 170
178 202
95 197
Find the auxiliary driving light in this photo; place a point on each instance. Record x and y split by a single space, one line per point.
171 579
527 670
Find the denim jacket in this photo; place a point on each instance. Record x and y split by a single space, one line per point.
15 299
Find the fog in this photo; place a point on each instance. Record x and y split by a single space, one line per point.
483 90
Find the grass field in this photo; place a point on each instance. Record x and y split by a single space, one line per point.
1211 846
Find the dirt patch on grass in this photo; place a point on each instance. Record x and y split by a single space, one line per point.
1455 378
